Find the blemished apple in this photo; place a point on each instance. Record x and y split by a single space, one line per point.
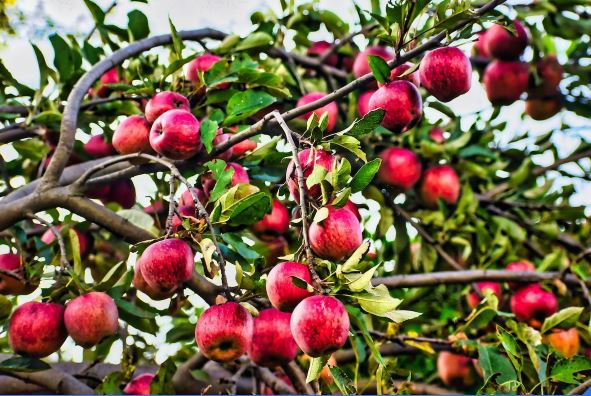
318 48
543 109
401 102
224 332
361 64
201 63
121 192
165 101
522 265
84 242
502 44
140 385
153 292
565 342
272 343
320 325
175 134
10 285
309 158
440 182
90 318
532 304
446 73
167 264
132 136
276 222
37 329
395 74
455 370
549 72
281 290
505 82
472 297
276 246
437 135
363 102
98 147
330 108
400 167
337 236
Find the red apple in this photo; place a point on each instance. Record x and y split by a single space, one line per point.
272 343
201 63
320 325
282 292
132 136
111 76
337 236
401 102
122 192
504 82
37 329
398 70
97 147
318 48
473 299
455 370
440 182
532 304
522 265
48 237
220 138
187 198
566 342
542 109
361 64
243 147
167 264
140 284
400 167
446 73
140 385
479 49
550 74
186 213
175 134
436 134
276 246
276 222
330 108
99 192
8 285
503 44
224 332
163 102
363 102
351 207
90 318
309 158
240 176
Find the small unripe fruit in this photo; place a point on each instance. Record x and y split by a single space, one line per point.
282 292
401 103
272 343
440 182
566 342
337 236
446 73
505 82
163 102
167 264
503 44
400 167
276 222
132 136
90 318
175 134
532 304
140 385
330 108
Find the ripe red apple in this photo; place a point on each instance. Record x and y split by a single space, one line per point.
111 76
153 292
243 147
240 176
401 102
522 265
351 207
361 64
363 102
504 82
550 72
276 222
167 264
121 192
272 343
542 109
503 44
400 167
479 49
201 63
186 213
473 299
187 198
566 342
276 246
132 136
337 236
99 192
37 329
309 158
163 102
220 138
140 385
282 292
97 147
175 134
48 237
532 304
9 285
320 325
436 134
90 318
224 332
446 73
440 182
330 108
455 370
318 48
401 69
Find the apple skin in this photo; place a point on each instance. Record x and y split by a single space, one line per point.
543 109
163 102
272 344
504 82
436 134
243 147
282 292
473 299
502 44
361 64
276 222
111 76
479 48
37 329
318 48
440 182
90 318
97 147
401 102
140 284
9 285
337 236
167 264
308 159
276 247
140 385
532 304
363 102
522 265
240 176
446 73
320 325
122 192
201 63
330 108
175 134
455 370
400 167
185 212
351 207
566 342
219 138
224 332
83 240
187 198
398 70
132 136
550 73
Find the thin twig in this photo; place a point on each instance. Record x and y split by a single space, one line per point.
58 236
171 207
339 43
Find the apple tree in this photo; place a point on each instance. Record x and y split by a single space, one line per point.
200 212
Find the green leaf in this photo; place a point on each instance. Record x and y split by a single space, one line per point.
256 40
133 309
565 318
318 174
63 59
321 215
245 104
521 174
97 13
358 319
342 380
495 366
162 382
111 384
23 364
250 209
111 277
138 218
365 125
75 248
360 282
351 144
222 176
208 131
379 67
137 23
177 43
316 366
353 261
365 175
378 301
565 369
